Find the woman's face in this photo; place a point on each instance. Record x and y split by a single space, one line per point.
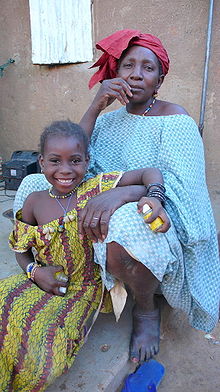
139 67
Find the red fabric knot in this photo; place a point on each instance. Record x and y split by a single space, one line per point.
113 47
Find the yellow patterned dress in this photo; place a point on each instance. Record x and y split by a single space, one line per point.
40 333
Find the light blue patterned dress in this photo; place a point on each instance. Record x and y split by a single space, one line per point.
185 259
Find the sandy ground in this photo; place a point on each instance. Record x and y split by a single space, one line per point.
191 360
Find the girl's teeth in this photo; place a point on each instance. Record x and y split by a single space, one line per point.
65 181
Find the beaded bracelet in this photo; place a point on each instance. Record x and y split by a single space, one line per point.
156 185
35 267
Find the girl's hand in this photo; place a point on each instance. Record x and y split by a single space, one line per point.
157 210
110 90
45 279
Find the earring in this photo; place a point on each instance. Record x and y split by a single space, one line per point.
155 94
42 171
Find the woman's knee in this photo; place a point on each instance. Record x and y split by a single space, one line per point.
119 262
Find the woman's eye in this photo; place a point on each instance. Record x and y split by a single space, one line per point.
127 65
148 67
75 161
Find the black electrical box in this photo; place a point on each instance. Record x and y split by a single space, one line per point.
20 165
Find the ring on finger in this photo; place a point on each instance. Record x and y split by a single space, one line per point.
95 218
62 290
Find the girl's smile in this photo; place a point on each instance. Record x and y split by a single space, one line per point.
64 163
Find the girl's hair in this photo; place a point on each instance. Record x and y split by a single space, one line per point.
65 129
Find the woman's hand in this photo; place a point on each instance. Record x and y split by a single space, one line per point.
93 219
157 210
110 90
45 278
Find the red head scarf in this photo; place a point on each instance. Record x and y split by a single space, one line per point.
115 44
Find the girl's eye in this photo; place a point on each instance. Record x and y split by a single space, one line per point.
75 161
54 161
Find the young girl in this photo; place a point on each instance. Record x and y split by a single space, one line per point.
43 318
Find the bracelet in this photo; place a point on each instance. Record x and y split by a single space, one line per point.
29 268
157 185
159 195
156 193
35 267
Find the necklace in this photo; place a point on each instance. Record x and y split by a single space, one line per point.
149 107
61 227
60 196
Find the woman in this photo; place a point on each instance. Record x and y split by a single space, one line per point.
149 132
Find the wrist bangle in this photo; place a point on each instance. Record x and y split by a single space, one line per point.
29 268
35 267
156 185
158 195
155 192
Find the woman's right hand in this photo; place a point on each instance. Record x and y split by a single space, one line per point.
45 278
110 90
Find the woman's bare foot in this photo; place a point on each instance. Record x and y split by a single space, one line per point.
145 337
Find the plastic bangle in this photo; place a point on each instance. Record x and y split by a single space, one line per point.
160 196
29 268
156 193
158 185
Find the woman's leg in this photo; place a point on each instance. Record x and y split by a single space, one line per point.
143 284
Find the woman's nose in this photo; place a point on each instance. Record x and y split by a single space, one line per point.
136 73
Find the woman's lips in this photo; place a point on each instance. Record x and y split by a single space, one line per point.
136 88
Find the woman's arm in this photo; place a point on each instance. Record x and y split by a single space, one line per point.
93 219
156 196
110 90
144 176
102 206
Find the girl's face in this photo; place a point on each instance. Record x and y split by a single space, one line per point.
140 69
64 163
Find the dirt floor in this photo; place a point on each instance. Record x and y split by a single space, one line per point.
191 358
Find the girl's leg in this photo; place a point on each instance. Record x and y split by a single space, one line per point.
143 284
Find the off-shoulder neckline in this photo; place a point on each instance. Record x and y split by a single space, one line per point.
19 212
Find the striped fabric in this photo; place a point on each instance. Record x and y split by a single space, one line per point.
40 333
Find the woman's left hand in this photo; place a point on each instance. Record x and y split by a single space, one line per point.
93 219
157 211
